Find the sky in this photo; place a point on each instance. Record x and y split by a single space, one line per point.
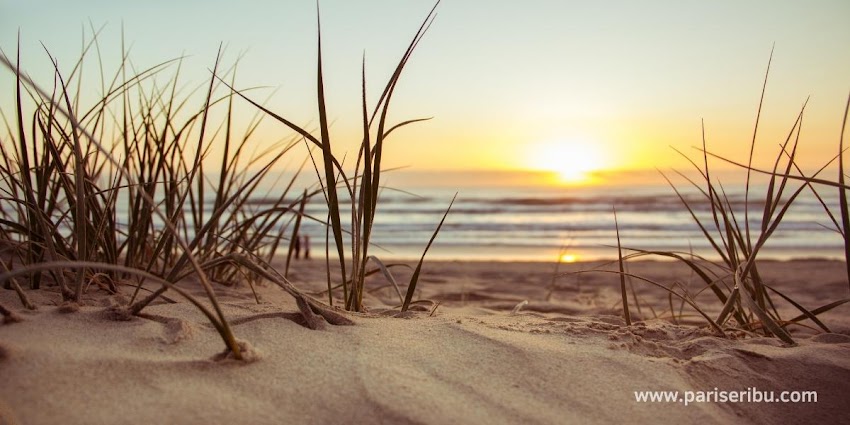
575 86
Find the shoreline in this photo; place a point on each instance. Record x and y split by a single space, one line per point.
587 261
508 254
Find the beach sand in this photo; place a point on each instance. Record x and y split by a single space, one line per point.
473 359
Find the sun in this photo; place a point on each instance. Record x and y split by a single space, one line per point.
574 160
569 258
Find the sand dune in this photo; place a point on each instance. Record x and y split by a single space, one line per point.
570 359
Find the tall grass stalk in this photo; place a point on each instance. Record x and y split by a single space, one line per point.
621 264
842 193
358 191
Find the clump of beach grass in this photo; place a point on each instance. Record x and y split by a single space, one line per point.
735 280
66 167
65 174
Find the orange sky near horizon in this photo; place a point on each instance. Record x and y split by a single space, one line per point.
575 89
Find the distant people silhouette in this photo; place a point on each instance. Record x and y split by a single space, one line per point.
306 247
298 246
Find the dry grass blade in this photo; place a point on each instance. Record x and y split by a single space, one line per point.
295 235
327 154
81 201
806 313
803 178
388 275
820 310
620 263
752 149
728 306
76 265
411 287
765 319
308 306
551 288
842 192
724 255
34 227
685 299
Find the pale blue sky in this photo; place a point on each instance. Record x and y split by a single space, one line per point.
500 77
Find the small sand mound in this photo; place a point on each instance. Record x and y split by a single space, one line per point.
248 352
177 330
831 338
68 307
10 318
118 313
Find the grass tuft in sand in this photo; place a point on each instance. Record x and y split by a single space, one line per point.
735 280
67 169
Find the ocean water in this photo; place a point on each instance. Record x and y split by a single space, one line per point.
509 223
541 224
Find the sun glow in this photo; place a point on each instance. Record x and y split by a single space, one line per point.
569 258
573 160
